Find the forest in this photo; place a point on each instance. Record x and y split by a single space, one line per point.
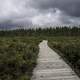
57 31
19 49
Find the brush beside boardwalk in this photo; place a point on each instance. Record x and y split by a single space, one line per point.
19 49
50 66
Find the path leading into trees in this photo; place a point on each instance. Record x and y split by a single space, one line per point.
50 66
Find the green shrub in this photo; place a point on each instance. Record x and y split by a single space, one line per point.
18 57
69 48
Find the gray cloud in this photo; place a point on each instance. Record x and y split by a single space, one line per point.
71 7
42 12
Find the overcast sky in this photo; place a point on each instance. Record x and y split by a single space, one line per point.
40 12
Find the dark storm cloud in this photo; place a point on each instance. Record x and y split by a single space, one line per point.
42 12
71 7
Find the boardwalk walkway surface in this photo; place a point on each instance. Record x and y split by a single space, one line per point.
51 67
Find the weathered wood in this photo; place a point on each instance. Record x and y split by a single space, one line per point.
50 66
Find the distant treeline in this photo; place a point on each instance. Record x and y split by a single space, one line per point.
58 31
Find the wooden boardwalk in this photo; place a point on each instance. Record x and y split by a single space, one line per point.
50 66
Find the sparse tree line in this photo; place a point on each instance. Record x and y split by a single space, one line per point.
58 31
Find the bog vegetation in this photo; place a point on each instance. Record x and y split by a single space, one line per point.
17 57
69 49
19 49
